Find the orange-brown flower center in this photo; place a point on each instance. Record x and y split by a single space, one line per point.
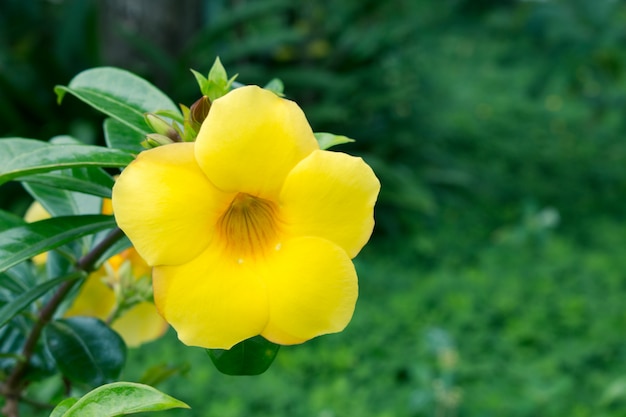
249 227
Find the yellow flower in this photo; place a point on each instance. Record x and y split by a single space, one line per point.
116 293
252 228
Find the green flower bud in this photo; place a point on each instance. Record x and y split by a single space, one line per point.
162 127
154 140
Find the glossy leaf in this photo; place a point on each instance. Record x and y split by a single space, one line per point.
120 136
21 157
63 407
57 264
11 283
10 310
327 140
12 338
59 202
85 349
121 398
19 278
23 242
250 357
11 345
93 181
88 180
8 220
175 116
119 94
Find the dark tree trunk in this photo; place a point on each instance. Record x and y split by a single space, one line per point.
145 36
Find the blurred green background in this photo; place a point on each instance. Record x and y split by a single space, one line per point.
494 284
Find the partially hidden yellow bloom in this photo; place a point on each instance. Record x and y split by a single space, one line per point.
252 228
35 213
105 290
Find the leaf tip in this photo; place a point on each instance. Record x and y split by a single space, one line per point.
60 91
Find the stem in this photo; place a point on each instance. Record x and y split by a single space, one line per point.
13 386
87 262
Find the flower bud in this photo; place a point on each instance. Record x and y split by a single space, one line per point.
160 126
154 140
199 111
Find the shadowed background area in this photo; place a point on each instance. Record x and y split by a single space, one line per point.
494 281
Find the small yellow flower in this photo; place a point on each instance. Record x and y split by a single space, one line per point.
252 228
116 293
106 289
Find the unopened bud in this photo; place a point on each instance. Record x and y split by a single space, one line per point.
154 140
160 126
199 111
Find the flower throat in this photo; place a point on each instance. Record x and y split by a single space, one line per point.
248 228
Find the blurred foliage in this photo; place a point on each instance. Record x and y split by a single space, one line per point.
496 128
532 327
42 43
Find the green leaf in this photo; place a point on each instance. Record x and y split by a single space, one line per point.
175 116
217 83
201 80
327 140
19 278
85 349
20 157
59 202
63 407
12 338
11 283
276 86
8 220
121 398
250 357
119 136
118 93
217 74
93 181
57 264
18 304
23 242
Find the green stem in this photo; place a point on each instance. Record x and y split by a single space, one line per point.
14 385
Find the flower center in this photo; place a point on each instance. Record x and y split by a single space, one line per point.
248 227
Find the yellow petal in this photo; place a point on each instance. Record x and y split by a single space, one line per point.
107 206
312 289
141 324
94 299
36 212
250 141
212 302
166 205
331 195
138 267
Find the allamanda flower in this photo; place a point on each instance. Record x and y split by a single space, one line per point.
252 228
